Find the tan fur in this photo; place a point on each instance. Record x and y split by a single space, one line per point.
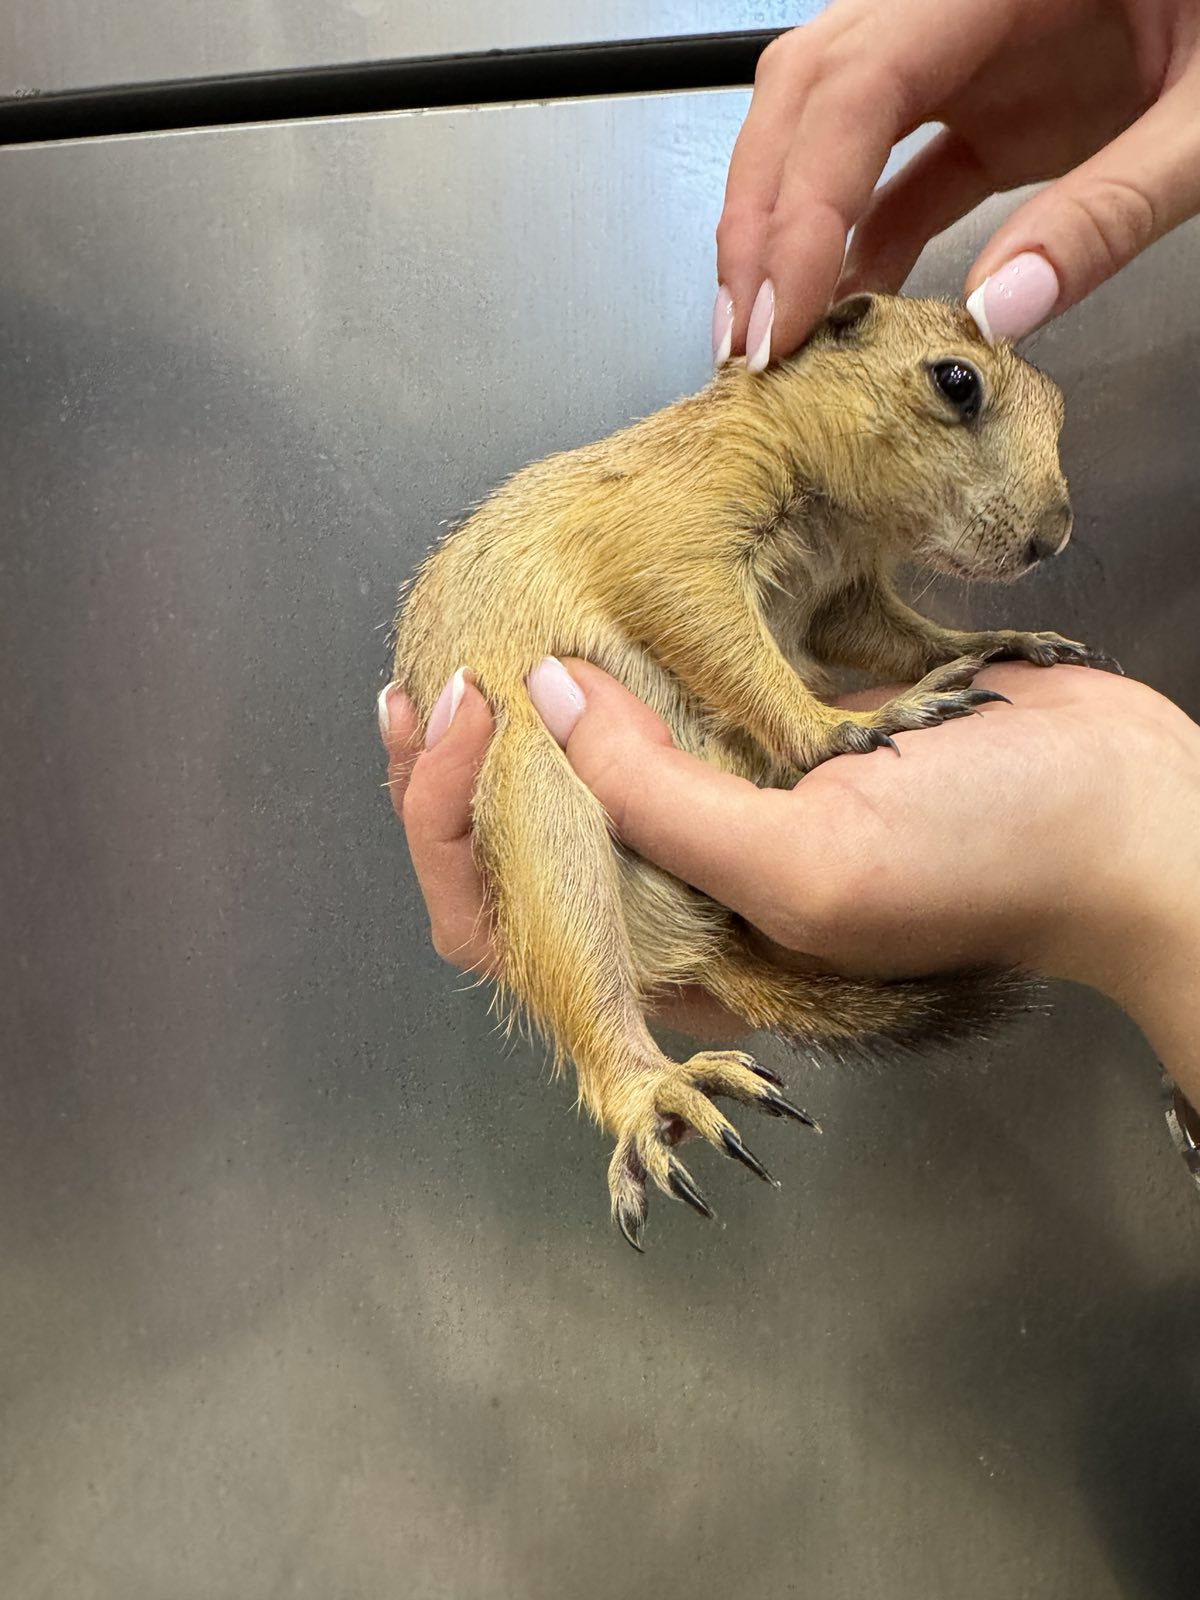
713 557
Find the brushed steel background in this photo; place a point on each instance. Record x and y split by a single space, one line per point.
308 1286
75 44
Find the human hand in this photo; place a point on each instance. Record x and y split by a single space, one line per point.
1101 95
1057 834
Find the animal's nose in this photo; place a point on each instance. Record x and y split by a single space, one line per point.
1053 531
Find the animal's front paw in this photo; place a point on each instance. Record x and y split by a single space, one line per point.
940 696
1047 650
653 1114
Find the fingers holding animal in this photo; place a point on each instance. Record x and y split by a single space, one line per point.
399 731
431 794
830 101
1098 100
788 207
705 826
833 866
741 844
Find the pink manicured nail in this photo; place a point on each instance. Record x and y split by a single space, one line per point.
1016 299
722 327
758 334
444 708
558 698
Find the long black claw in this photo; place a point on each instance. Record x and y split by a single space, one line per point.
738 1151
684 1189
631 1223
1099 660
779 1107
886 739
979 697
956 703
765 1072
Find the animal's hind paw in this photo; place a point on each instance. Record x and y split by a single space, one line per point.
659 1111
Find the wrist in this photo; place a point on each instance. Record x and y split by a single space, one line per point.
1140 941
1161 992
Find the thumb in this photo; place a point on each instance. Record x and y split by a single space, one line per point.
1089 224
718 832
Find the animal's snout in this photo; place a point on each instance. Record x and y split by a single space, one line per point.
1053 531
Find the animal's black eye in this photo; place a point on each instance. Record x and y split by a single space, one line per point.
958 383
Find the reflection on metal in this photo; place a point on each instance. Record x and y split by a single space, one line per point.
76 44
408 83
306 1284
1183 1121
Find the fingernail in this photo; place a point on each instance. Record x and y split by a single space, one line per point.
1016 299
381 707
758 334
444 708
722 327
558 698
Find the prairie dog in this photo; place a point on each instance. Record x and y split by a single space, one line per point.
714 557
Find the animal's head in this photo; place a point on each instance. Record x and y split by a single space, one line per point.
944 444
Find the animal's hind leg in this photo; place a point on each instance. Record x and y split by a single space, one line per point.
566 958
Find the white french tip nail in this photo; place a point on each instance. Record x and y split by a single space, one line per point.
381 707
722 326
457 685
444 707
757 360
975 309
762 324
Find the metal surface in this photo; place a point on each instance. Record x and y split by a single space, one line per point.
74 44
308 1285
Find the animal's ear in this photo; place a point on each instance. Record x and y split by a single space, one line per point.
850 317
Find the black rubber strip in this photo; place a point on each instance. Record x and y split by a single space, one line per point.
631 66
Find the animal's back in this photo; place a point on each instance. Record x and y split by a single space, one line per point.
534 570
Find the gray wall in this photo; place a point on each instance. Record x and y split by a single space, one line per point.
71 44
308 1284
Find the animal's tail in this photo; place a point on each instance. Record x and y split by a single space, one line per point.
851 1016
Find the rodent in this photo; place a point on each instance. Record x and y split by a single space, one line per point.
715 557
